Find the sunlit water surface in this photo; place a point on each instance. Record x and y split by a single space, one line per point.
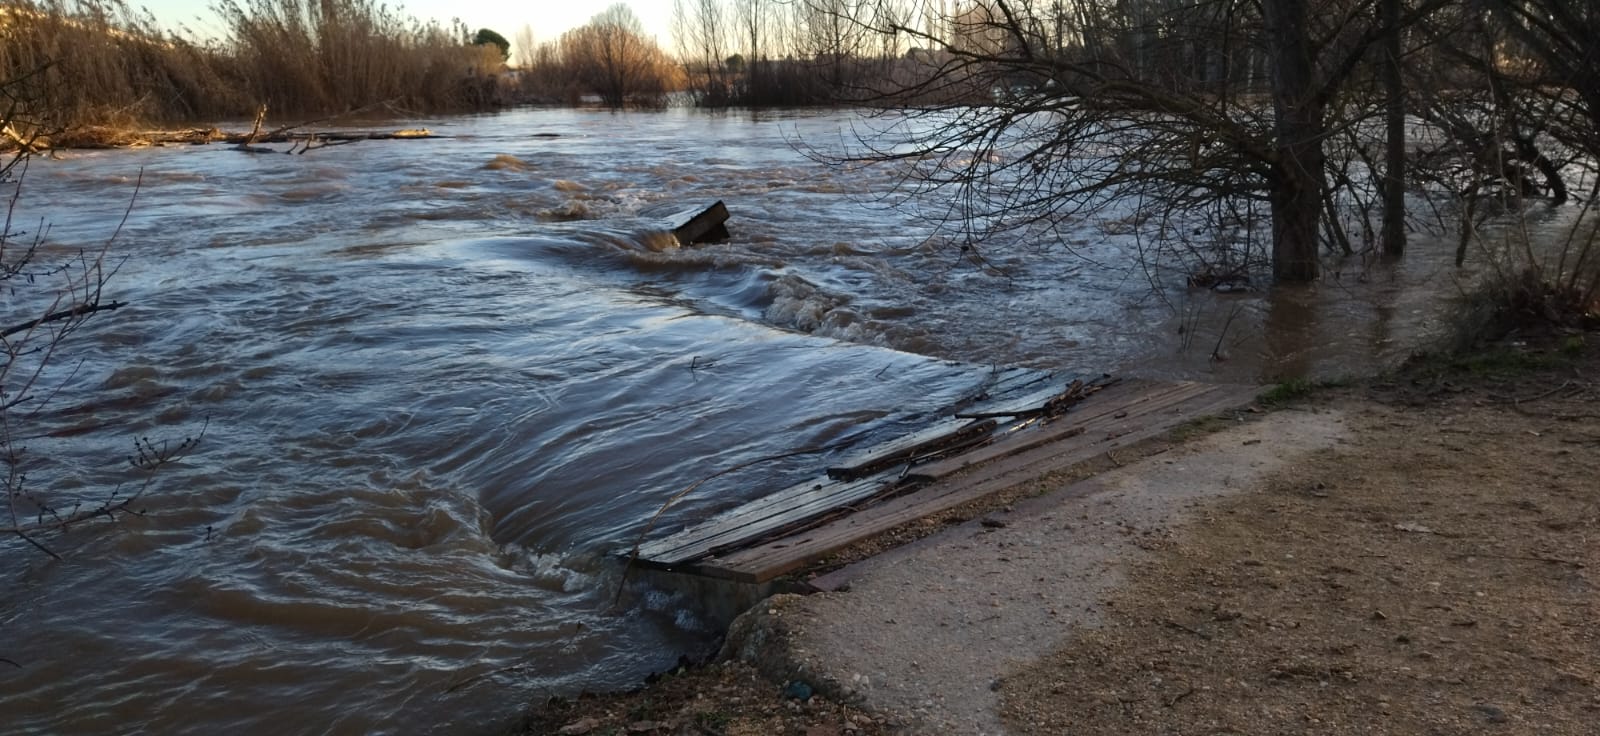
443 382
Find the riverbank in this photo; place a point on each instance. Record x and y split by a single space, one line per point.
299 137
1408 554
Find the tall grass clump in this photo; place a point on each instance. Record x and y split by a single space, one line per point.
102 62
80 63
313 56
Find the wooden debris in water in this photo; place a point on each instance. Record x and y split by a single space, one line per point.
694 223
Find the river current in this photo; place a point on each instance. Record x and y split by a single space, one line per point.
443 382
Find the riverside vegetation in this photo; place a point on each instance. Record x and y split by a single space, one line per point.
75 63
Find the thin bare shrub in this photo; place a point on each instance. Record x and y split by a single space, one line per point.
1515 127
46 296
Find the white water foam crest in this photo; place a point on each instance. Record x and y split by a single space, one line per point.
798 304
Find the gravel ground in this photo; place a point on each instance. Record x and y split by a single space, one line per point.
927 635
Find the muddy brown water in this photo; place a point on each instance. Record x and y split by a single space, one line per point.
443 381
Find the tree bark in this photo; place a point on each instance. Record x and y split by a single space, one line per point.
1298 180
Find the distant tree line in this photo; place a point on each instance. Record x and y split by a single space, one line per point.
610 58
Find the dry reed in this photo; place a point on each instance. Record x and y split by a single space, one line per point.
102 63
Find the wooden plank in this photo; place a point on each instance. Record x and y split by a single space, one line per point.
1013 405
947 433
785 508
800 502
1134 400
779 556
1112 432
1012 380
813 499
1027 400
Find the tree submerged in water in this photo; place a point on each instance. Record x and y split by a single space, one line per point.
1230 138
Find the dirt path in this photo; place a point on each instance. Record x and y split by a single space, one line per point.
1435 575
1416 557
926 634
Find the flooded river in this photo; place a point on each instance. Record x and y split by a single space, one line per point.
442 382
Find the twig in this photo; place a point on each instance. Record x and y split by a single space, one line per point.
77 311
261 116
302 124
36 544
1181 627
1216 350
513 667
1522 399
1529 558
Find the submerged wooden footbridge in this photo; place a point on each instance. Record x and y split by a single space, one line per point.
1024 424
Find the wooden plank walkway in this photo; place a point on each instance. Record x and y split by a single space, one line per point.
794 527
847 484
946 434
764 516
1126 400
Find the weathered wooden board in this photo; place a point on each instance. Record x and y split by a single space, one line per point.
786 508
1130 400
847 483
1012 405
945 434
1114 425
1012 381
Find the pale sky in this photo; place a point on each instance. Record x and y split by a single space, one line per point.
548 18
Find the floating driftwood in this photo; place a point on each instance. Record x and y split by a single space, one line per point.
299 136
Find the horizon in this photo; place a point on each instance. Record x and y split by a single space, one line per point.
501 16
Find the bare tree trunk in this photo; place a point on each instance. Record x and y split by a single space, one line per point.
1298 180
1394 173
